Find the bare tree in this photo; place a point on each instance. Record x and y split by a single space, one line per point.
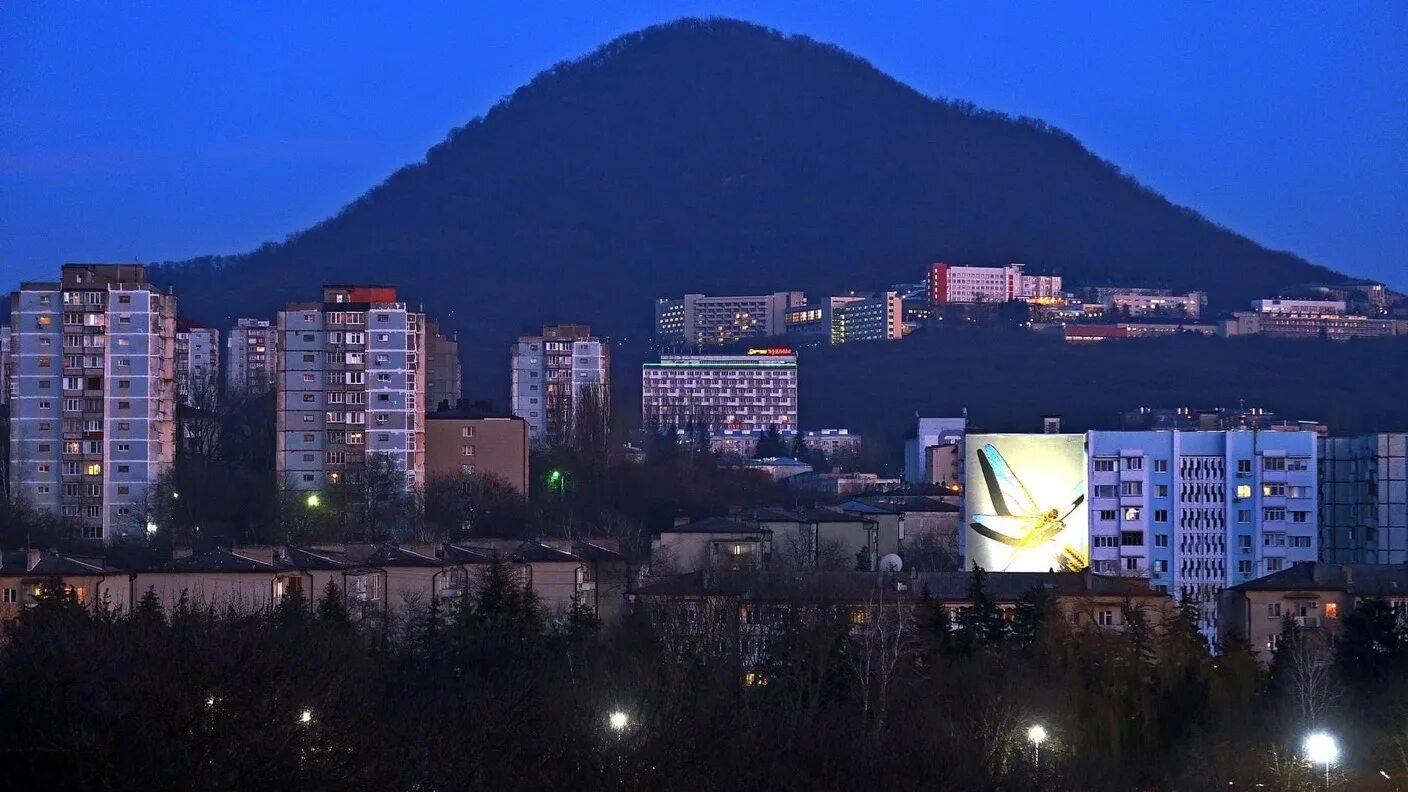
1310 675
881 641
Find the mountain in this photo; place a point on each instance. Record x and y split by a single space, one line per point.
718 156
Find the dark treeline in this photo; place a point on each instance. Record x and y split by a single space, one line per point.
491 693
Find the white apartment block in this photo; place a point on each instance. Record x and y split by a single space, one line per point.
351 383
253 352
1304 307
548 374
197 364
1190 305
93 411
878 318
715 321
740 392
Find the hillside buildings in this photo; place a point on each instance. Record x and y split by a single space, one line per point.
92 426
847 318
443 375
744 443
252 349
813 323
351 385
716 321
742 392
1305 319
464 441
1167 305
950 283
197 364
1364 499
549 375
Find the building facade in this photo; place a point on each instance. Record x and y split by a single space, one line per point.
950 283
197 364
1171 305
744 443
1364 499
4 364
813 324
1199 511
741 392
252 352
351 384
879 318
92 421
551 372
462 442
443 385
715 321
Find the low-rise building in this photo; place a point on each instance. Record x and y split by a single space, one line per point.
466 441
930 433
842 485
744 443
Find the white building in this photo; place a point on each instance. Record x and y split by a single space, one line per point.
92 425
197 364
929 433
743 392
714 321
879 318
351 385
253 351
1306 307
549 374
1189 305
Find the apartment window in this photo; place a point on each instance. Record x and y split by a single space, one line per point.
307 438
122 447
1244 567
1107 618
94 469
1244 467
308 337
381 419
1273 564
336 457
1108 515
1300 541
308 418
1160 565
1300 516
123 362
1274 540
124 490
383 336
123 511
382 359
1132 463
1131 564
122 405
308 398
307 457
354 438
1273 463
73 405
467 450
307 477
1104 490
1298 463
1160 540
1132 538
1160 465
123 426
309 377
467 469
43 489
1274 515
383 437
1274 490
124 383
1133 513
1131 488
43 467
93 531
1332 610
1243 491
1161 515
383 317
1244 516
1160 490
1273 610
1298 492
1104 465
467 431
12 596
45 426
44 405
123 468
382 376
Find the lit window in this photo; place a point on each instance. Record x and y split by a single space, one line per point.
1244 490
94 469
1332 610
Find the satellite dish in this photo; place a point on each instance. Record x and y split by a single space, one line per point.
891 563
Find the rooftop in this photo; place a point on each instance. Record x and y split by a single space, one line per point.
1358 579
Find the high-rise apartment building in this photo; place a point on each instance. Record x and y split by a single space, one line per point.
1198 511
351 384
253 354
92 426
549 374
443 387
197 364
742 392
1364 499
715 321
879 318
962 284
4 364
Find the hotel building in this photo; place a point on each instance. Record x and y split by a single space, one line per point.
715 321
741 392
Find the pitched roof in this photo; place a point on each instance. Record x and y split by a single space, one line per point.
537 552
16 562
392 555
464 554
218 560
1358 579
907 503
595 552
1009 586
300 558
857 587
713 525
832 515
762 514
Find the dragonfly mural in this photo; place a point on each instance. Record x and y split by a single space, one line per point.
1020 522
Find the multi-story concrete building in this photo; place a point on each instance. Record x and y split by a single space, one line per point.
950 283
551 372
715 321
879 318
813 324
92 426
253 354
351 385
4 364
461 441
197 364
442 369
1332 326
931 433
1197 512
1364 499
744 443
1312 307
747 392
1188 305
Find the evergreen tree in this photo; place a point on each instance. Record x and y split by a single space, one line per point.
1030 617
1372 645
332 609
799 449
980 623
771 444
582 623
149 610
292 608
863 560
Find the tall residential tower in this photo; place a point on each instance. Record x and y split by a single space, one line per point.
550 373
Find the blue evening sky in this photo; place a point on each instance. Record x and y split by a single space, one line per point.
163 130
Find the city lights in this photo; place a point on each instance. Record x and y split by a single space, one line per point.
1321 749
619 721
1037 735
306 716
314 501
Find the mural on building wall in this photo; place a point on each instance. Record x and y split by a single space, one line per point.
1025 502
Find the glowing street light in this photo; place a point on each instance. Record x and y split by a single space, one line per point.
1321 748
619 721
313 500
305 717
151 528
1037 735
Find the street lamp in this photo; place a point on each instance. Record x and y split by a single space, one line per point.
305 717
1037 735
619 721
313 500
556 479
1321 748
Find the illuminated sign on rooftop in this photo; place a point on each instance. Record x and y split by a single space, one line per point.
771 351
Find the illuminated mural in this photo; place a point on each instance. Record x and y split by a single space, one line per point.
1025 502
